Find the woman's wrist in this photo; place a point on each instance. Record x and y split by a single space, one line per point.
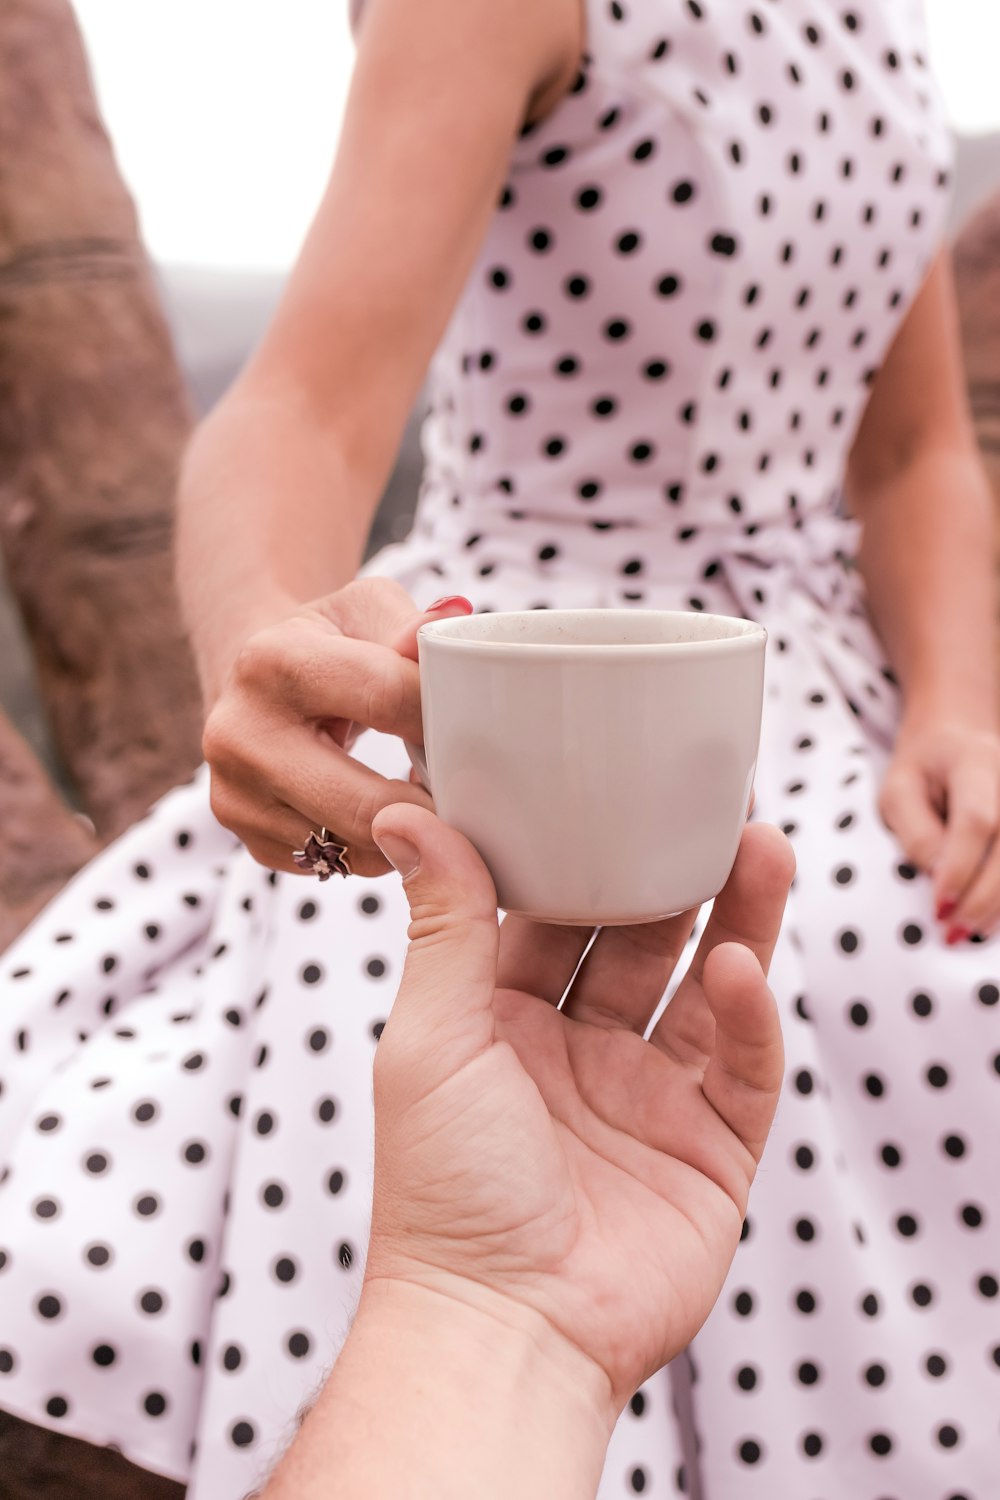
218 634
964 700
450 1389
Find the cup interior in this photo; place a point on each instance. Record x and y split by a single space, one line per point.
569 629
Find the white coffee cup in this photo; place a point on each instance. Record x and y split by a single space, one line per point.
600 760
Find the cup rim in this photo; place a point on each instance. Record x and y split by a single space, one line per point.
445 634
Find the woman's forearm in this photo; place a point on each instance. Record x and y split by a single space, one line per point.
928 558
435 1398
269 516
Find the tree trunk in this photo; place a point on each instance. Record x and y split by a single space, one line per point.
93 418
42 843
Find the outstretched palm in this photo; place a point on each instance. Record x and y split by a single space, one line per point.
555 1156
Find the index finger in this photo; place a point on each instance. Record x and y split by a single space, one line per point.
321 676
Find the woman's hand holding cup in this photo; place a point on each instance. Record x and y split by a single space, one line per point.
278 738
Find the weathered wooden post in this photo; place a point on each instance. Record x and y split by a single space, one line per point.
93 418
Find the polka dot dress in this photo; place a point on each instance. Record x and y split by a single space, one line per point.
645 396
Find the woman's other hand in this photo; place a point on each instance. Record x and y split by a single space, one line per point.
941 798
548 1167
278 738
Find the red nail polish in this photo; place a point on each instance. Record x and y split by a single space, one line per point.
451 601
945 909
957 935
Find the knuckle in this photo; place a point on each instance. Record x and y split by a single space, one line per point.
261 853
225 806
889 801
358 811
979 821
384 695
256 659
219 741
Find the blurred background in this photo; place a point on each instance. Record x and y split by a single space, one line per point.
224 116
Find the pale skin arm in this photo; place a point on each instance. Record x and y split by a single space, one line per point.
281 482
917 484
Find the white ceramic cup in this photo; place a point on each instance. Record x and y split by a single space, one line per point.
600 760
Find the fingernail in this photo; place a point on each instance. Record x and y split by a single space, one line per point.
957 935
401 854
451 601
945 909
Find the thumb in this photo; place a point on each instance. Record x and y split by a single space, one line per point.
449 977
405 643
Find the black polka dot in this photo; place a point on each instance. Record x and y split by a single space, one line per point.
49 1306
242 1434
57 1406
155 1404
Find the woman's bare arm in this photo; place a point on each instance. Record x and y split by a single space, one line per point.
917 484
281 481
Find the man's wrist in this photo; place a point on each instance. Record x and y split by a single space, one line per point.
446 1389
520 1345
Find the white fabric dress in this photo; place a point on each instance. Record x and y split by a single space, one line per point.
646 396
